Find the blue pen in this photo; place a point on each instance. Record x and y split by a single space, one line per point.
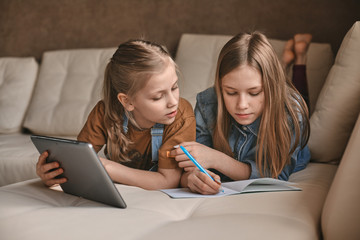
198 164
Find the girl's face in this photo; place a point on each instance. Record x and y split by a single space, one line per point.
157 101
243 94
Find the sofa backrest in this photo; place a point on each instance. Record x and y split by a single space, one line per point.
341 213
68 87
338 104
70 81
17 81
197 57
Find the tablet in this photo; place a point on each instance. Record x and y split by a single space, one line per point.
86 176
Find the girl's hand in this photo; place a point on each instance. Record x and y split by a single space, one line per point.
201 183
49 171
205 156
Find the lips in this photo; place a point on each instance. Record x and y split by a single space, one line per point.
242 115
172 114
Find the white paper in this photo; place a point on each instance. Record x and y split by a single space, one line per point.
237 187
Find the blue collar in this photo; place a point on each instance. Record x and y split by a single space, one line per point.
252 127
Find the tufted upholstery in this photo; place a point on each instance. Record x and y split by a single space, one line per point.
17 80
68 87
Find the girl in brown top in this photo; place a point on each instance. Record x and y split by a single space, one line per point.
140 104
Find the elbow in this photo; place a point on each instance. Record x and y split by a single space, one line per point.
170 178
284 176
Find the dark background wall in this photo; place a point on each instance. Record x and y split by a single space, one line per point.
30 27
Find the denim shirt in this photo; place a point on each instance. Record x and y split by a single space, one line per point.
242 139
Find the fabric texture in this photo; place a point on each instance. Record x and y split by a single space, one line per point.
341 213
182 129
18 158
17 80
24 205
69 85
339 102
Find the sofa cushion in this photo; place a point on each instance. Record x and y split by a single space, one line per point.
197 57
68 87
18 158
154 215
341 214
338 104
17 80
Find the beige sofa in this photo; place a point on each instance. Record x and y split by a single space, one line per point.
55 97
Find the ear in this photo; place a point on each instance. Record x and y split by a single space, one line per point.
125 101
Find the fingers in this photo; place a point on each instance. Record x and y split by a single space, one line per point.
187 165
177 150
188 144
214 176
54 181
182 159
42 167
190 169
49 171
201 183
42 158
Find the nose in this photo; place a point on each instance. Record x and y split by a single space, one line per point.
242 102
173 99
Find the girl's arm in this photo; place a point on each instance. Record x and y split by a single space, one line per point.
211 159
299 160
164 178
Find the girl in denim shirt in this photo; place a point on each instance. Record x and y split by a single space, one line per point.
253 123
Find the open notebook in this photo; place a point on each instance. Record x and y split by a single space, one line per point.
237 187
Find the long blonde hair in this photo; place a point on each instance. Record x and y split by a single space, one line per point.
129 69
280 131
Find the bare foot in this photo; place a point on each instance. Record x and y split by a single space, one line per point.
301 45
288 54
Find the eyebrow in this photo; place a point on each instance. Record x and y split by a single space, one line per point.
252 88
